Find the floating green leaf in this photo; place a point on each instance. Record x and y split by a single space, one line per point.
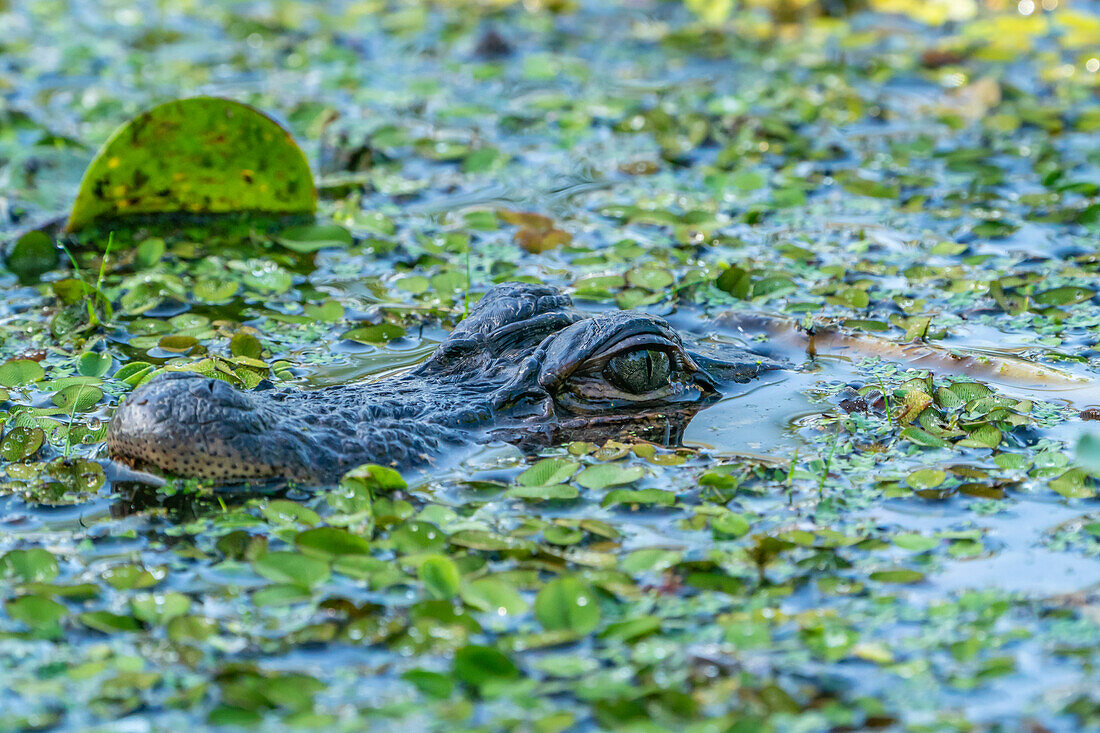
109 623
730 524
21 442
605 475
377 334
149 253
440 576
78 397
494 596
36 611
477 665
916 542
17 372
897 575
643 497
30 566
926 478
91 364
432 684
33 255
1074 484
330 542
548 471
292 568
312 237
201 154
1063 296
553 492
567 604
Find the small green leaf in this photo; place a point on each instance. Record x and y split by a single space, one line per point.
548 471
378 334
476 665
109 623
923 437
967 391
916 542
567 604
292 568
158 608
30 566
284 511
372 478
926 478
91 364
432 684
245 344
983 436
33 255
130 577
36 611
643 497
1063 296
494 595
440 576
21 443
214 290
730 524
17 372
149 253
415 536
330 542
554 492
78 397
735 281
313 237
604 475
1074 484
897 575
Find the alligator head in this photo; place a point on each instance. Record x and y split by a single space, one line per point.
525 366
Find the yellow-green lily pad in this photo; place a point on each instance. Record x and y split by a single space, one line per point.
197 155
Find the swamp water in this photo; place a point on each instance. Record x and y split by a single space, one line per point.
842 546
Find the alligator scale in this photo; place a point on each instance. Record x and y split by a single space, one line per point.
525 366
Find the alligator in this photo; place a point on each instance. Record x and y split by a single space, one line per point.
525 366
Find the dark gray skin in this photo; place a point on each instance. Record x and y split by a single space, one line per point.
525 366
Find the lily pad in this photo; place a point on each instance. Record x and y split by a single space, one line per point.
197 155
32 255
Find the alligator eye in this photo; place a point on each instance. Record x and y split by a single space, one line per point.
640 371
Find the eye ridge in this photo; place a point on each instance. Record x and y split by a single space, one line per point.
640 370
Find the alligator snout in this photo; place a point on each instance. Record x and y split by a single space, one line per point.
190 425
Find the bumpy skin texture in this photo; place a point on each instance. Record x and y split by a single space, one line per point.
525 366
